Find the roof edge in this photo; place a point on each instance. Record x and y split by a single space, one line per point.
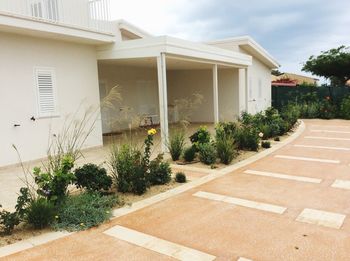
123 24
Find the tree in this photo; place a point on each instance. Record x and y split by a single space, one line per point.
333 64
276 72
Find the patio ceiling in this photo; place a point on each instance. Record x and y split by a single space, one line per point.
179 53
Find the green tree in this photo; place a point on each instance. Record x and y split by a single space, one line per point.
333 64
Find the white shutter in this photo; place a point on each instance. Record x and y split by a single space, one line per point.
46 94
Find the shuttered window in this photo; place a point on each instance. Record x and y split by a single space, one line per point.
46 92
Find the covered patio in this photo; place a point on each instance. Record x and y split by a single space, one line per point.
155 72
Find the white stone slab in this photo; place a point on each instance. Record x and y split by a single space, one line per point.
331 131
307 159
283 176
241 202
322 147
158 245
325 138
342 184
321 218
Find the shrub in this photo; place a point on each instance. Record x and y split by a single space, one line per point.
247 137
84 211
180 177
189 154
53 183
201 136
277 139
41 213
8 220
176 145
93 178
226 148
160 172
266 144
207 153
345 108
128 170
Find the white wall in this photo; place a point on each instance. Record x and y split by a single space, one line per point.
259 75
139 91
77 85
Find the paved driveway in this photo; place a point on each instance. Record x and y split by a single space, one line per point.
291 205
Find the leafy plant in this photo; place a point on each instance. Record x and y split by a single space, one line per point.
345 108
201 136
207 153
53 183
41 213
266 144
8 220
160 172
226 148
176 145
189 154
180 177
277 139
247 137
92 178
84 211
126 165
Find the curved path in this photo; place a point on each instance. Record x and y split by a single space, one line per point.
293 204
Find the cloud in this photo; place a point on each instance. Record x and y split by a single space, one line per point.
291 30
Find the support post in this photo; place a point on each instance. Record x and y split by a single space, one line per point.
163 101
215 93
243 90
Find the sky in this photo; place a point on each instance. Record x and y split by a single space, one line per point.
290 30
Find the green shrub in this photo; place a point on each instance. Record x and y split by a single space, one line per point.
345 108
180 177
8 220
189 154
41 213
84 211
160 172
128 169
226 148
266 144
277 139
226 128
247 138
93 178
53 183
207 153
176 145
201 136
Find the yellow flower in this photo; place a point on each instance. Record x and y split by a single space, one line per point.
107 212
261 135
82 224
56 217
152 132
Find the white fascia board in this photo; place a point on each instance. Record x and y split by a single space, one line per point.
40 28
152 47
249 41
125 25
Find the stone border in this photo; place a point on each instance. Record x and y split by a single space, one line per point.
212 174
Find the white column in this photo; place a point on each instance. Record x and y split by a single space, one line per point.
215 93
247 87
163 101
242 90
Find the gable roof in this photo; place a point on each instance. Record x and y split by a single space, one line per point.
248 44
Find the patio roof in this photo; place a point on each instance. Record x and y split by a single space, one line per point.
154 46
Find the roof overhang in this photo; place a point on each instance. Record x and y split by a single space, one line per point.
132 29
154 46
252 47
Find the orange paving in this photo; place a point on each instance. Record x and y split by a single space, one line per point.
228 231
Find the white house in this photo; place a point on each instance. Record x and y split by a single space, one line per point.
59 54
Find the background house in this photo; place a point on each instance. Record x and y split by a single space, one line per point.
61 55
292 79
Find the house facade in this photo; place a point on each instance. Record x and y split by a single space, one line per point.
58 56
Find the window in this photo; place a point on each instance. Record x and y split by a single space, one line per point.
46 92
47 9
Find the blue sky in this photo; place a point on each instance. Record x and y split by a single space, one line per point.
291 30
